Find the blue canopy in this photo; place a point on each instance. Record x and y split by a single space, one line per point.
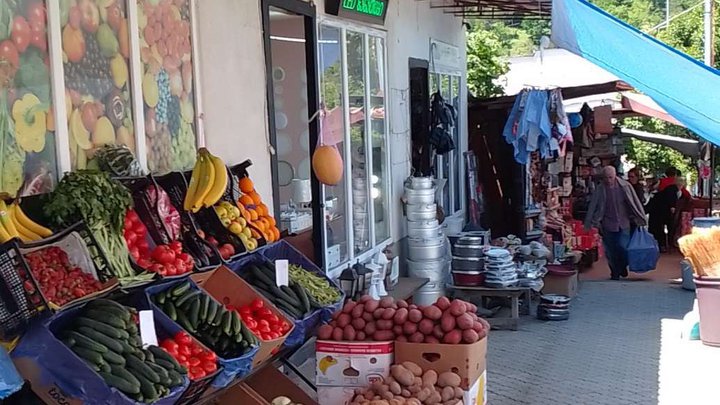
686 88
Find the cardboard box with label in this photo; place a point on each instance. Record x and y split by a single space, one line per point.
263 387
343 366
561 285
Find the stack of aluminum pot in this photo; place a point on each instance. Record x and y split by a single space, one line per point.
426 242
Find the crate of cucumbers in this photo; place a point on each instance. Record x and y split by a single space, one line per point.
220 330
93 354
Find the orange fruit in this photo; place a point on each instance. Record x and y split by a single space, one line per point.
276 233
264 222
257 200
246 185
246 214
246 200
253 214
265 210
271 220
255 234
259 225
267 236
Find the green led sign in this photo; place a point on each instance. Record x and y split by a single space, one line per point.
375 8
369 11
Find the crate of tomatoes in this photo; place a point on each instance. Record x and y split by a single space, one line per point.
68 268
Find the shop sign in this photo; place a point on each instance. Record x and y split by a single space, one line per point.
369 11
445 58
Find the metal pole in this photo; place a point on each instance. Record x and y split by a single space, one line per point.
667 14
709 60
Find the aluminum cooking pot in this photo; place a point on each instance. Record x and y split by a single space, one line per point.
468 250
426 249
468 263
421 212
424 196
419 183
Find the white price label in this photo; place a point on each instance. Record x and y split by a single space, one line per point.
281 273
147 329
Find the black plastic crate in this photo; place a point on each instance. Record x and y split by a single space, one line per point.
17 305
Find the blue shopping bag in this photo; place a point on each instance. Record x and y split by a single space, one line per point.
642 251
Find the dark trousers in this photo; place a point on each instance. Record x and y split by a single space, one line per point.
656 225
615 244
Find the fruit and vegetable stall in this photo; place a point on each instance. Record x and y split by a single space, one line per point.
178 289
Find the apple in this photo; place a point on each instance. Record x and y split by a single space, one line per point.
114 17
75 17
90 15
89 115
73 43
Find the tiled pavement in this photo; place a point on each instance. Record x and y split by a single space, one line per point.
609 352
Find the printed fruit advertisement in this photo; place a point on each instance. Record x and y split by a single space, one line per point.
27 139
96 50
167 83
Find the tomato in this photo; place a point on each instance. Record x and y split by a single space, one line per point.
263 326
244 311
163 254
158 268
185 351
131 238
134 253
144 263
176 247
29 287
183 338
20 33
209 356
189 261
133 216
272 319
171 270
194 361
198 372
9 53
170 346
285 327
142 246
36 14
264 313
79 292
257 303
209 367
180 267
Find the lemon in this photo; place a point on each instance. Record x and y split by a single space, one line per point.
151 93
221 211
235 228
119 70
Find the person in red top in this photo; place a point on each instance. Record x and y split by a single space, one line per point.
661 208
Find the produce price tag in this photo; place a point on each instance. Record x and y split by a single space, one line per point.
281 273
147 329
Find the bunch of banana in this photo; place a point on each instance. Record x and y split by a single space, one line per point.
15 224
208 182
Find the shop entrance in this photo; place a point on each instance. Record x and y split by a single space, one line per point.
292 102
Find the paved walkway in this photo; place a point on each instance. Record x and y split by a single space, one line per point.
621 346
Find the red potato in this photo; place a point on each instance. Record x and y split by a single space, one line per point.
432 312
484 323
378 313
349 333
415 315
343 320
402 304
470 336
365 298
367 317
453 337
464 321
457 308
360 336
337 334
358 323
447 322
431 339
384 324
416 337
397 329
477 326
471 307
401 316
382 335
426 326
371 306
387 302
348 307
336 314
438 332
358 311
370 328
409 328
401 338
325 332
483 334
443 303
388 314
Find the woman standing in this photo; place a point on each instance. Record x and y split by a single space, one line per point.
634 180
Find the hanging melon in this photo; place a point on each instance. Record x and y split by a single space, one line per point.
327 165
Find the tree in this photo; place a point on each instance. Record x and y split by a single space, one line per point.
484 62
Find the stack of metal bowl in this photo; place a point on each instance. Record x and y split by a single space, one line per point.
468 264
554 308
426 242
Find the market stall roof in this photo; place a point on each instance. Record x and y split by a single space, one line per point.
681 85
495 9
688 147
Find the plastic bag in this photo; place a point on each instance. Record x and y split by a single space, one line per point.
642 251
10 381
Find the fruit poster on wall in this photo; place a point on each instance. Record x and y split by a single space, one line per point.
27 139
166 54
96 51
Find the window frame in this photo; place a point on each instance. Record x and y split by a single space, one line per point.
375 245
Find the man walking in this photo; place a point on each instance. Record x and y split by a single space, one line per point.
614 209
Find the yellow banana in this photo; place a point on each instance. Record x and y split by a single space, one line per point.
220 182
4 236
7 223
206 180
29 224
25 234
192 187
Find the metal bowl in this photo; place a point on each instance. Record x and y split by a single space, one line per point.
468 251
468 263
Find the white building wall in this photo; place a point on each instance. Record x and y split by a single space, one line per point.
232 80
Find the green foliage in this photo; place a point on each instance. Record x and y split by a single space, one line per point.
484 63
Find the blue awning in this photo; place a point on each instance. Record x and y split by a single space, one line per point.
686 88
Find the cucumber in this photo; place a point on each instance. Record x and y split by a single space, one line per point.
103 339
204 308
218 315
246 334
160 371
120 383
113 307
170 310
69 341
139 354
105 317
86 342
187 296
235 323
161 354
290 293
171 366
212 311
104 328
122 372
142 369
132 329
113 358
88 355
184 322
259 274
180 290
160 297
126 348
289 308
194 313
175 378
303 296
227 323
147 388
280 294
105 366
149 357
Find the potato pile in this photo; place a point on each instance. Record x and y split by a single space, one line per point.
445 321
408 384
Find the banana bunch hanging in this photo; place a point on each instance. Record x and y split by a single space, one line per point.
208 182
15 224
